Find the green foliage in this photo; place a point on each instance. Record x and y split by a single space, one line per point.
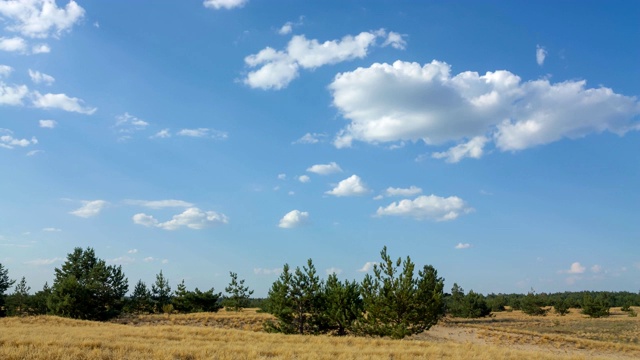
185 301
140 301
342 304
561 307
398 304
180 300
18 303
280 304
237 294
472 305
160 292
167 309
86 288
38 302
497 302
5 283
532 304
595 307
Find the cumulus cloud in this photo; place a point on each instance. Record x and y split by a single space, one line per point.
325 169
395 40
368 266
89 208
40 18
277 68
48 124
429 207
351 186
159 204
132 251
40 78
162 134
12 94
471 149
203 132
40 49
407 101
293 219
410 191
282 176
541 54
7 140
14 44
42 262
5 70
575 268
461 246
224 4
192 218
310 138
304 178
61 101
286 28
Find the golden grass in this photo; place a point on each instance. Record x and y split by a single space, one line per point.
200 336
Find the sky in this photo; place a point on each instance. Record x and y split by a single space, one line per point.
498 141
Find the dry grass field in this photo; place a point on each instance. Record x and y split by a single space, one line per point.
227 335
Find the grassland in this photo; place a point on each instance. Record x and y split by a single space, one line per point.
226 335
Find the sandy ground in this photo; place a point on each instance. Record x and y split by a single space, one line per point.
461 334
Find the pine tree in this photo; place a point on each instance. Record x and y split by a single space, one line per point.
237 294
343 305
596 307
5 283
280 304
396 303
160 292
18 302
180 299
86 288
140 302
533 305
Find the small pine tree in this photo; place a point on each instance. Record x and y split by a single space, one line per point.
561 307
140 302
5 283
343 305
18 302
180 300
160 292
280 304
532 305
595 307
237 294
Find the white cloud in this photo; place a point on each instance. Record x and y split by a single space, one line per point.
293 219
286 28
162 134
40 49
325 169
14 44
7 140
37 77
61 101
5 70
40 18
310 138
471 149
51 229
407 101
541 54
351 186
224 4
410 191
159 204
193 218
262 271
12 95
127 123
132 251
304 178
576 268
282 176
395 40
429 207
333 270
149 259
34 152
89 208
278 68
463 246
164 261
368 266
42 262
596 269
122 260
203 132
49 124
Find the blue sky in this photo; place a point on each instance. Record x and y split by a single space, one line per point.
497 141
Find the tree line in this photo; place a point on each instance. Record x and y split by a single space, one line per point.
394 301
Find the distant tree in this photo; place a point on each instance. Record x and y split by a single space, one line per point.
399 304
38 302
472 305
140 301
595 307
18 302
561 307
5 283
237 294
86 288
533 305
497 302
180 300
160 292
455 302
204 301
342 304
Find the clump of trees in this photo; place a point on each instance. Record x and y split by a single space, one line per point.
596 307
472 305
393 302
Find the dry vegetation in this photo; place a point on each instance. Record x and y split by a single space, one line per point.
228 335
